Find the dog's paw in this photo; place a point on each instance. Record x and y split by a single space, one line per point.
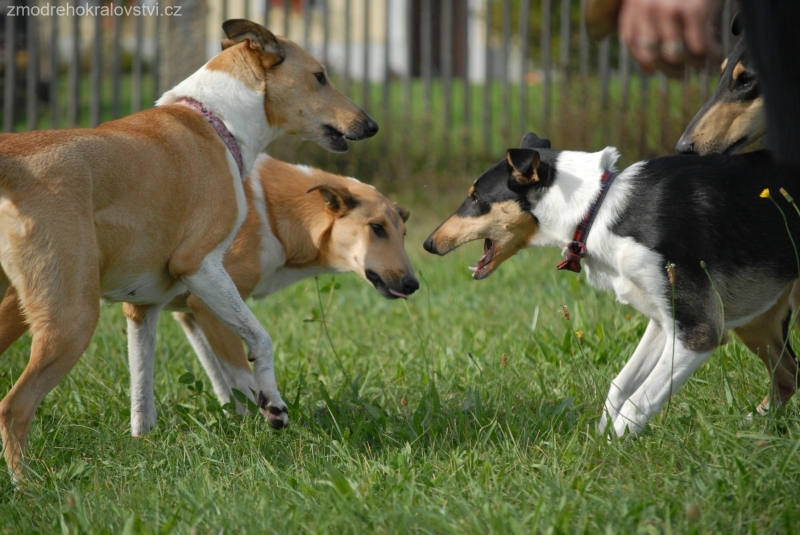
631 421
603 424
142 422
276 412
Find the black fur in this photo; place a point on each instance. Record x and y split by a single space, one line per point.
708 209
771 30
496 186
688 210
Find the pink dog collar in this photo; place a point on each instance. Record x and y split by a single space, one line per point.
220 127
576 249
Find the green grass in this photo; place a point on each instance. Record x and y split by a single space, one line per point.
413 425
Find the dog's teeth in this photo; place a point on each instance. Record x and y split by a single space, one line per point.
473 268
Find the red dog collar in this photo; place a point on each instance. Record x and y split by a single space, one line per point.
576 249
220 127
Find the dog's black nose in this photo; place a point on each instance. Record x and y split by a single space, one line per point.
428 245
410 284
684 146
371 127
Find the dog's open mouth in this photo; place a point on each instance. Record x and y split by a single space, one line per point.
382 287
483 268
337 141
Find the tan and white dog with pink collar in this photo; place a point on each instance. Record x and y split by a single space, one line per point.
142 209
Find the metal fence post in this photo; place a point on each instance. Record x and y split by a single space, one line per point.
506 28
95 71
426 36
9 91
487 81
32 79
116 67
447 64
347 51
545 46
55 71
365 75
75 75
524 25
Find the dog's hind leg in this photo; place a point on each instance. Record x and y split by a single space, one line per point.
62 319
634 373
675 365
767 336
142 322
214 287
12 320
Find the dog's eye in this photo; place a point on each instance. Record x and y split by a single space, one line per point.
321 78
474 198
745 79
379 230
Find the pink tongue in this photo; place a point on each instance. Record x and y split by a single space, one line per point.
398 294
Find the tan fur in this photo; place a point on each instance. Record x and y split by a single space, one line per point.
294 76
311 235
738 69
725 123
724 64
86 213
524 176
506 224
764 337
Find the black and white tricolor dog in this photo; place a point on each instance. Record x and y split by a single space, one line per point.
698 221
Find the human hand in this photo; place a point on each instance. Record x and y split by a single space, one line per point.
661 34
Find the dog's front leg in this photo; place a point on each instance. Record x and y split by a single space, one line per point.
634 372
142 321
214 287
674 367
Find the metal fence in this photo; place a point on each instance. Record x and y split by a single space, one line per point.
445 75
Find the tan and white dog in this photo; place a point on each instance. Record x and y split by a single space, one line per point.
142 209
301 222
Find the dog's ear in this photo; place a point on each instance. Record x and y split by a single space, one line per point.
338 200
524 166
239 30
404 213
737 25
532 141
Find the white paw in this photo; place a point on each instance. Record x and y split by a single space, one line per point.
602 425
630 419
142 421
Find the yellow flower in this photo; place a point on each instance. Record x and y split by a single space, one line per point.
765 194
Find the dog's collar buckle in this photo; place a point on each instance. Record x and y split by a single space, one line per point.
572 261
220 127
576 249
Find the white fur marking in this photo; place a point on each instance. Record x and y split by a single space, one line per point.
240 108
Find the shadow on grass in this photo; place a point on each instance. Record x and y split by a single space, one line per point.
434 424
